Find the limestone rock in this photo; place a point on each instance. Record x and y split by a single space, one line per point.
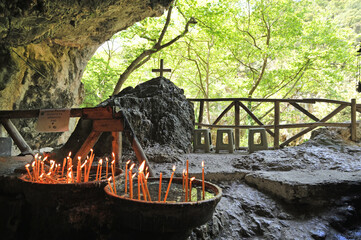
45 46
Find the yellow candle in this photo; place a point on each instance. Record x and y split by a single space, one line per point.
143 188
81 167
62 171
160 187
110 186
78 170
203 191
113 174
190 188
170 182
131 180
126 175
27 169
183 173
146 186
100 171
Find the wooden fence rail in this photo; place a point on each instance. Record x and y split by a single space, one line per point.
274 129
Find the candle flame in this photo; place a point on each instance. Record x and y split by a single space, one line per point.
173 168
33 164
202 163
100 161
106 159
113 154
113 162
128 162
110 178
134 175
69 155
36 155
192 179
184 172
146 176
45 158
131 167
79 158
27 165
141 167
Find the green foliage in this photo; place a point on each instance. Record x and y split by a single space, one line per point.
241 48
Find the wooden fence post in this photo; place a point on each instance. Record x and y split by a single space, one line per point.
236 122
200 115
353 119
276 142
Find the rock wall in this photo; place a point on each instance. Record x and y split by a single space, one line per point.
46 44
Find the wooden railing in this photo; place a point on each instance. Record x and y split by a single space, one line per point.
274 129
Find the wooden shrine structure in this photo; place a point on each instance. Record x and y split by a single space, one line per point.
104 119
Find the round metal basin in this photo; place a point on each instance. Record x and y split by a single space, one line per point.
163 217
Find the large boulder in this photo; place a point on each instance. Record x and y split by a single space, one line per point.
160 115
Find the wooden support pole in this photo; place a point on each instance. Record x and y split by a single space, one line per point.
276 139
87 145
353 120
16 136
117 147
139 153
236 122
200 116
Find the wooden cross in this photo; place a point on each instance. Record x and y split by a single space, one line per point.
161 69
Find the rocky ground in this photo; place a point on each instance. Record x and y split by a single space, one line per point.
311 191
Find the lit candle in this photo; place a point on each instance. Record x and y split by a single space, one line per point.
190 188
106 171
113 174
91 158
139 174
78 170
140 181
186 184
27 169
83 166
62 171
100 171
96 176
131 181
170 182
203 192
34 172
131 185
126 175
146 186
110 186
160 187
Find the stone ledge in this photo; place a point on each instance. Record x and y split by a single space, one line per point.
312 187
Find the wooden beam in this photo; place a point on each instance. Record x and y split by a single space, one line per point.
281 126
223 113
16 136
200 115
87 145
353 120
108 125
236 122
276 139
307 113
255 118
329 116
117 147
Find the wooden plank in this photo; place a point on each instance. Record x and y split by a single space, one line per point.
276 139
236 122
108 125
304 100
281 126
98 113
255 118
16 136
307 113
200 115
353 120
74 112
329 116
223 113
87 145
117 147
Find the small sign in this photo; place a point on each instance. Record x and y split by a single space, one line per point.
53 120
